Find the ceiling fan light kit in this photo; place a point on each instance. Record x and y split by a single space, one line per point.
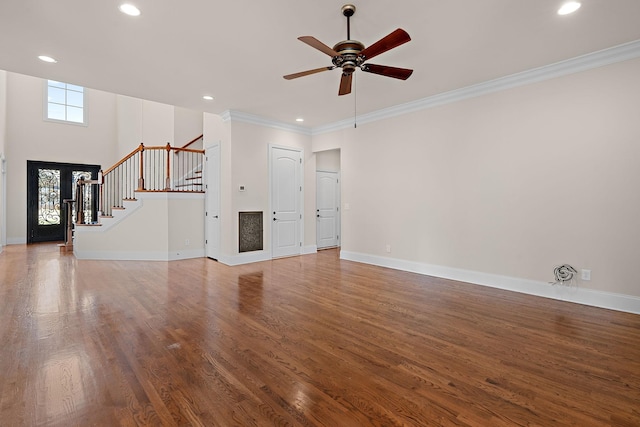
349 55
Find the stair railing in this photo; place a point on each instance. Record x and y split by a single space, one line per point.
151 169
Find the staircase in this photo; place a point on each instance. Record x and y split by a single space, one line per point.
161 182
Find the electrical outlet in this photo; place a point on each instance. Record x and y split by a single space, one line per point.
388 248
187 242
586 274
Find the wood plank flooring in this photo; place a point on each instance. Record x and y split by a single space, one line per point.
304 341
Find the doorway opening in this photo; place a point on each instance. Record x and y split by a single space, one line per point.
328 199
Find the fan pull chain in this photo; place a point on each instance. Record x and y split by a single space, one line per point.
355 101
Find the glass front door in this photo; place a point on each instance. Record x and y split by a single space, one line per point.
48 186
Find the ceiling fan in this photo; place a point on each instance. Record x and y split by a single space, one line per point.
351 54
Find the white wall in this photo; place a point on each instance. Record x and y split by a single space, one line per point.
188 125
244 153
129 122
158 228
157 124
328 161
511 184
250 162
30 137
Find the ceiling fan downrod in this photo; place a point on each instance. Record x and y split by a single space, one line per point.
348 10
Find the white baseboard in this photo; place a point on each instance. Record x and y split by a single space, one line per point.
257 256
245 258
16 241
310 249
139 256
601 299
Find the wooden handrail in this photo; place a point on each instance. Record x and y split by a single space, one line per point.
124 159
119 181
192 141
142 147
187 150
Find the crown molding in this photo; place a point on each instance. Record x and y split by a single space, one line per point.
239 116
620 53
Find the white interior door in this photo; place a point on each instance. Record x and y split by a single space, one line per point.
286 201
212 204
327 210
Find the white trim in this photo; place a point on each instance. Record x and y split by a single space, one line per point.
309 249
217 182
130 206
601 299
245 258
140 256
239 116
612 55
16 240
45 106
3 202
167 195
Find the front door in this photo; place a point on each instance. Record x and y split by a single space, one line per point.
286 202
48 185
327 209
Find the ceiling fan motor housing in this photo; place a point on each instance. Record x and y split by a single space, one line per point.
349 58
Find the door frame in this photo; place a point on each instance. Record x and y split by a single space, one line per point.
210 179
337 203
300 201
34 165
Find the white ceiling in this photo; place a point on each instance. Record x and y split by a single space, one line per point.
238 51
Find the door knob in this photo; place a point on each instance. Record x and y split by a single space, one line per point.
275 219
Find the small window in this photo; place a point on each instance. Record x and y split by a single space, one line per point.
65 102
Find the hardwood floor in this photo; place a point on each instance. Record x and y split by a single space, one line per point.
304 341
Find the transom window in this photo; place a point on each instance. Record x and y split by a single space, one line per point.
65 102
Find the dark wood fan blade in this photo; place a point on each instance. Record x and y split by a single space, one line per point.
384 70
392 40
308 72
314 42
345 84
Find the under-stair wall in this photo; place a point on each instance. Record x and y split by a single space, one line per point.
155 226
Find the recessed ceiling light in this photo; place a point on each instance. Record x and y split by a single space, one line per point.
299 119
129 9
46 58
569 7
208 98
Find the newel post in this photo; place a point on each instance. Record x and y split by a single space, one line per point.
100 190
141 177
167 183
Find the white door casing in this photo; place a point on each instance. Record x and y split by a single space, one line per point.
286 201
212 202
327 209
